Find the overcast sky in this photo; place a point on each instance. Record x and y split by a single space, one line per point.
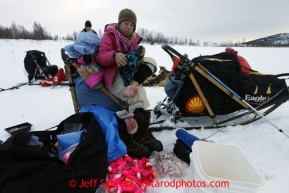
203 20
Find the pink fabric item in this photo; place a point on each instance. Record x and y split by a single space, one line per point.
80 60
130 175
131 125
95 78
110 43
91 73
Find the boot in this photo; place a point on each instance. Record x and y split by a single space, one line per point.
122 130
152 142
143 72
134 149
142 118
182 151
137 150
144 135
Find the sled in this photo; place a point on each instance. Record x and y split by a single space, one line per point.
37 66
71 73
214 93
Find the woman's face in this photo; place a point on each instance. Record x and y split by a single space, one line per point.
126 28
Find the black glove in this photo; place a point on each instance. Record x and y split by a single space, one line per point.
88 58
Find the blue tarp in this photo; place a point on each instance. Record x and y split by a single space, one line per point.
85 43
109 125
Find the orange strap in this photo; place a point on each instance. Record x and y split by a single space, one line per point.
176 61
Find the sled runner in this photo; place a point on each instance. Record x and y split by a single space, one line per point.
212 92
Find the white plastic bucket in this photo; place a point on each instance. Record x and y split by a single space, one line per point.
222 166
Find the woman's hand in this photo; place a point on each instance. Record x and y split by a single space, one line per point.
143 52
120 59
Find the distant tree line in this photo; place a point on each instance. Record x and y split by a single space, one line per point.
19 32
267 44
40 33
153 37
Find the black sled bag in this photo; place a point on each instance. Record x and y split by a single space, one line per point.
254 89
26 170
35 64
47 70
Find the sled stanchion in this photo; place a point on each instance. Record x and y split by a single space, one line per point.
72 89
195 83
123 105
201 70
240 98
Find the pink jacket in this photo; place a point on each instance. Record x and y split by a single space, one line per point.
108 45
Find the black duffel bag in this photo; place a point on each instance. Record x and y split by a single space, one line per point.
27 169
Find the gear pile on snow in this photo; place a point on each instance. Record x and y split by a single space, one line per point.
37 66
57 79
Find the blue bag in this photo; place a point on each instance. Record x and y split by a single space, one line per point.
68 139
109 126
173 86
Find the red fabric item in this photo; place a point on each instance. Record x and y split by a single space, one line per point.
44 84
176 61
57 79
47 82
245 66
59 76
232 51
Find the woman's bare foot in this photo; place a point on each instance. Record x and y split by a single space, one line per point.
130 91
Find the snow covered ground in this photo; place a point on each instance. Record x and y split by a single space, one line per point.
45 107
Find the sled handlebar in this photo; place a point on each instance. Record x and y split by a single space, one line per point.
170 50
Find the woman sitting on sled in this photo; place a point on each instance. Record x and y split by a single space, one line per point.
117 43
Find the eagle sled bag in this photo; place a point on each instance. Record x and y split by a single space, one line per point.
256 89
27 169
